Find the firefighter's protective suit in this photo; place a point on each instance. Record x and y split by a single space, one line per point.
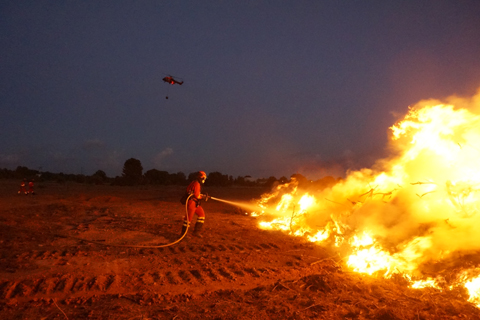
194 204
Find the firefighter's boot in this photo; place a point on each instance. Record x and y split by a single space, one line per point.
198 229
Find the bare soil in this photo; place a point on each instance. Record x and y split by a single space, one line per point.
236 271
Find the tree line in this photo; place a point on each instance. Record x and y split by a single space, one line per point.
132 174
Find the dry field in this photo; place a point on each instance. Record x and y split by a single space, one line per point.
236 271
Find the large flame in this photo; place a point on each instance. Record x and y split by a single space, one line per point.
417 206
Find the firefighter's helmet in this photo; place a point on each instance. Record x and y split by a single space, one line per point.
202 176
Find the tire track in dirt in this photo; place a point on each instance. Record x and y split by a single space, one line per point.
168 281
69 253
177 271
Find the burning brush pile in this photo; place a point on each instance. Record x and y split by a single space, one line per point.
415 214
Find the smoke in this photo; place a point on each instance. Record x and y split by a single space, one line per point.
160 157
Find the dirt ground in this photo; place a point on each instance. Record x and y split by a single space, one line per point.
236 271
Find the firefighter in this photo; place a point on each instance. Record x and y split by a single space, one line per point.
30 187
193 205
23 188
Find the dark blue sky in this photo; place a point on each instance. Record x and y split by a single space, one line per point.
270 87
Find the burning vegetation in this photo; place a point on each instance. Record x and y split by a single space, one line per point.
413 215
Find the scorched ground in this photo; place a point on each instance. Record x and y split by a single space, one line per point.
237 271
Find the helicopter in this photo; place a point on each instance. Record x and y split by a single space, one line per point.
172 80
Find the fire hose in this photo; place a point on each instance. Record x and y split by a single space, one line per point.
136 246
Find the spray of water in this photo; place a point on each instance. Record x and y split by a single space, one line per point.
244 205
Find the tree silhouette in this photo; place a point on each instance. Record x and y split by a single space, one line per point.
270 182
155 176
132 171
178 178
302 181
24 172
99 177
101 174
218 179
192 176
